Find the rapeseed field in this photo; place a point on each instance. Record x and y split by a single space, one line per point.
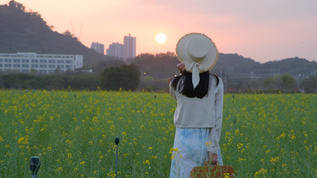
73 132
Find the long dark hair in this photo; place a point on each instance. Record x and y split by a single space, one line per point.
186 86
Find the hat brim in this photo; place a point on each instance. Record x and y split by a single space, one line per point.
210 60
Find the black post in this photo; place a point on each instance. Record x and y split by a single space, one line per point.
35 165
116 140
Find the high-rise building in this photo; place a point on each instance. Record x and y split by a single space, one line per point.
116 49
100 48
129 44
125 51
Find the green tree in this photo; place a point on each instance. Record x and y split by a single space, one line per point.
273 83
16 5
309 85
125 77
1 83
16 83
289 82
57 83
32 84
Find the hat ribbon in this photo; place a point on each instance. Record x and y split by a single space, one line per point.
195 68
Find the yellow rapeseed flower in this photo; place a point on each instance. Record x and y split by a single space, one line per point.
260 172
226 175
20 140
146 162
69 155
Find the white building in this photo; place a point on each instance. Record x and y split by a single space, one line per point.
43 63
100 48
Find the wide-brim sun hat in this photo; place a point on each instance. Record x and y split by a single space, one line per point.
198 52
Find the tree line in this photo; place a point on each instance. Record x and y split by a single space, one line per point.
276 83
122 77
129 77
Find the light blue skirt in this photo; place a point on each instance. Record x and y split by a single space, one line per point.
189 151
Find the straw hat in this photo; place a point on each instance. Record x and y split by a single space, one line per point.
198 52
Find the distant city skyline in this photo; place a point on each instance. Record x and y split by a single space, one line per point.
261 30
125 50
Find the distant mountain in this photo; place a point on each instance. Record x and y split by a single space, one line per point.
233 65
295 66
22 31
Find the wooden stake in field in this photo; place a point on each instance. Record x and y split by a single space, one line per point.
35 165
116 140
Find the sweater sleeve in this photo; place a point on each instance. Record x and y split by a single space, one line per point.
215 132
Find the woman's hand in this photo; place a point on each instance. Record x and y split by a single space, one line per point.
212 158
181 67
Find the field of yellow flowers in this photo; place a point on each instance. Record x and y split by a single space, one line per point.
73 132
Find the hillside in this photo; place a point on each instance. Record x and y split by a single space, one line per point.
23 31
233 65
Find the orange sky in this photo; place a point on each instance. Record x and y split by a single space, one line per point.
261 30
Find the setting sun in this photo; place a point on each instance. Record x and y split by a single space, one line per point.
160 38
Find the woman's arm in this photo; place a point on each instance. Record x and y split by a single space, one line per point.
215 132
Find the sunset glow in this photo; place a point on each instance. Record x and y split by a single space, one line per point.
286 28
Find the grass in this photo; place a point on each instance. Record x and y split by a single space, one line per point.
73 133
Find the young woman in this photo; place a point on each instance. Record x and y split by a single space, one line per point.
199 96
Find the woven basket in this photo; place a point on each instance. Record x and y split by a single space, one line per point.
214 171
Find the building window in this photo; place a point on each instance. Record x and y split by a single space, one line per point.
43 66
60 61
25 70
0 65
60 66
34 66
25 65
25 60
7 65
51 61
16 65
7 60
69 66
35 61
0 60
16 60
43 61
43 71
51 66
69 61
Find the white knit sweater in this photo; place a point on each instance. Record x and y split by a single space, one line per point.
201 113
